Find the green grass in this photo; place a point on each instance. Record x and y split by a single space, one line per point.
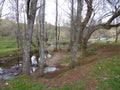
107 73
67 59
78 85
7 46
23 83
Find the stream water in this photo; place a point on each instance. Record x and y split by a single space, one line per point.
13 68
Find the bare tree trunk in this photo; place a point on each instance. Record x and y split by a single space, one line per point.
19 35
59 36
24 28
41 48
117 34
56 22
116 38
31 11
46 37
76 32
26 58
72 25
84 52
37 35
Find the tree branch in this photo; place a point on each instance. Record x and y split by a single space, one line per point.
116 14
28 2
89 12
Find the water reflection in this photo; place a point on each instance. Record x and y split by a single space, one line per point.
50 69
13 68
7 76
33 69
9 73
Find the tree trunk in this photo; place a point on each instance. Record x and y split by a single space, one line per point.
73 54
19 35
37 35
31 12
117 34
41 48
76 32
59 36
56 22
27 49
116 39
26 59
72 25
83 45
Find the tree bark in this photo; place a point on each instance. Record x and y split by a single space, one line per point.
31 12
41 48
19 35
71 26
76 32
116 38
83 46
56 27
117 34
59 36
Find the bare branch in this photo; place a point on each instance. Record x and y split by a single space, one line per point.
89 12
116 14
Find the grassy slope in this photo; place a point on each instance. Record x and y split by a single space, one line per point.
7 46
106 72
23 83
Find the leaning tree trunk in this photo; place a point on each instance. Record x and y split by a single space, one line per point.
31 12
84 40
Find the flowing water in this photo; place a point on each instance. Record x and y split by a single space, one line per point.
12 68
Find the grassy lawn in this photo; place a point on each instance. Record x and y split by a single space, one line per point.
7 46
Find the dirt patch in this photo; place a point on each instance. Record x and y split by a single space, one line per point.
92 84
79 73
57 58
69 77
